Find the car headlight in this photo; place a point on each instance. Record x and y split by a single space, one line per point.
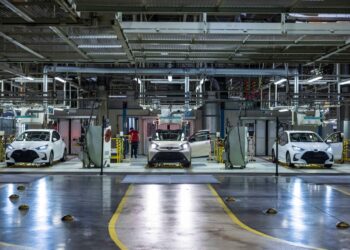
185 146
9 147
295 148
44 147
154 146
329 149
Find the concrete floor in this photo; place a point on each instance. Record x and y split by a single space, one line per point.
199 165
110 214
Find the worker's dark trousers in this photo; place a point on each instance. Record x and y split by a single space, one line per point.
134 146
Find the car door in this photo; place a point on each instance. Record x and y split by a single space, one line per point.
200 144
57 145
282 147
335 140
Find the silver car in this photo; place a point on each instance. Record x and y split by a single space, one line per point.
169 146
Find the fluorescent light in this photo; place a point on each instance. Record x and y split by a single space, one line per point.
106 53
94 37
60 79
170 78
102 46
29 78
315 78
138 80
281 81
283 110
59 109
117 96
345 82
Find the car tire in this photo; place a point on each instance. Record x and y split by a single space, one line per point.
289 161
273 156
50 163
187 165
150 165
64 157
9 164
328 165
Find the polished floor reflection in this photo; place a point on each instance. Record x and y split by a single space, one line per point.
182 216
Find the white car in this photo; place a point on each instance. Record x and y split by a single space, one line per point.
169 146
303 147
39 146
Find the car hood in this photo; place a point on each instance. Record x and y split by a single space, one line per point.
311 146
169 143
28 144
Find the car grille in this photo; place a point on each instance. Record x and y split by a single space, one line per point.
169 157
24 155
170 148
315 157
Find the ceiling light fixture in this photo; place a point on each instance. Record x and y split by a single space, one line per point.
29 78
315 78
170 78
94 46
283 110
94 37
60 79
346 82
281 81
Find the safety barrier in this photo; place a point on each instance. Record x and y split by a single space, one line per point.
346 151
219 150
118 145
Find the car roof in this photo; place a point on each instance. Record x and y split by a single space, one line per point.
299 131
38 130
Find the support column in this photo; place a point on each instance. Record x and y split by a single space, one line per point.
187 93
339 124
210 114
2 88
45 95
346 125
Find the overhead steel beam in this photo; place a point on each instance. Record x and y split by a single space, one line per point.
74 15
121 37
11 69
16 10
114 6
236 28
65 38
22 46
44 22
327 55
175 71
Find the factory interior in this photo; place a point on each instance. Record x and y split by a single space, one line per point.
157 124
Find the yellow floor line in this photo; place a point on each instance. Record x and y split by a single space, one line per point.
236 221
340 190
113 221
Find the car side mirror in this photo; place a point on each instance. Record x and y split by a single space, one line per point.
54 139
328 141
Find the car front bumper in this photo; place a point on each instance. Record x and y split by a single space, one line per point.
313 157
27 156
158 156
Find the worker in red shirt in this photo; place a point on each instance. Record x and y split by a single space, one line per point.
134 140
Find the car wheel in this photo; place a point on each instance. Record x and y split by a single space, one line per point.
64 157
328 165
50 163
288 160
187 165
273 156
150 165
9 164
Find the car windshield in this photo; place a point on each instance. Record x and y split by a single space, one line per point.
34 136
305 137
168 135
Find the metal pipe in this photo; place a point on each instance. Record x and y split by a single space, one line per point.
338 92
176 71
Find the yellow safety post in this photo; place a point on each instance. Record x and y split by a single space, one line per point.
219 150
118 144
345 153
